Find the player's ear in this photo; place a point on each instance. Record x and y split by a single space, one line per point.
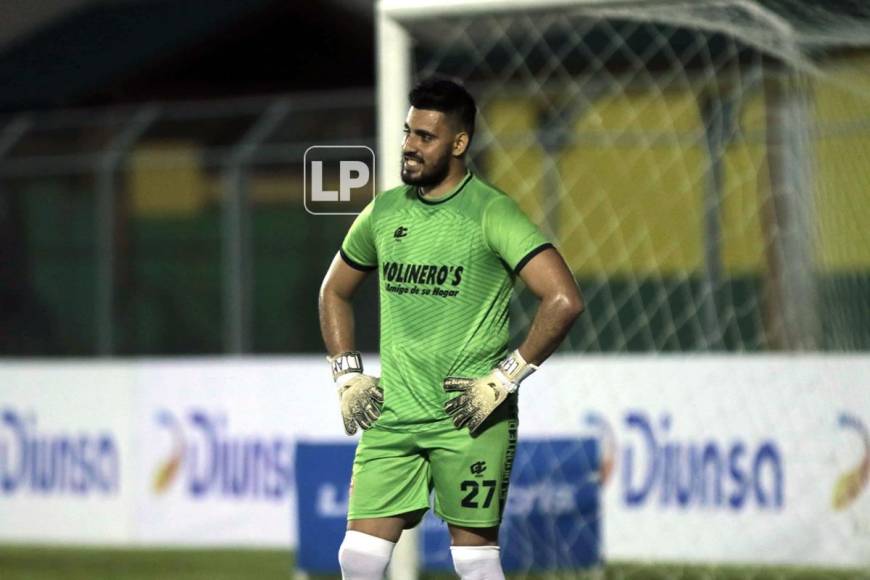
460 144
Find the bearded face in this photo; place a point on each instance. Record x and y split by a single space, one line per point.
427 147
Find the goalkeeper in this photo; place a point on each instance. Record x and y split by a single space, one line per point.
447 247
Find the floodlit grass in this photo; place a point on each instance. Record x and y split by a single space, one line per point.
18 563
631 571
30 563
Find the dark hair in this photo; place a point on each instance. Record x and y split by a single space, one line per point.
447 96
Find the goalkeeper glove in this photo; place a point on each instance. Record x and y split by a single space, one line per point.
479 397
360 396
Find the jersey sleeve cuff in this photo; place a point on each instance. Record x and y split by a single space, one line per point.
353 263
522 263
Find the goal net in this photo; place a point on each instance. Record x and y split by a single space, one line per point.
702 165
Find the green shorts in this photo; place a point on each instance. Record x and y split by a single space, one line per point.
395 472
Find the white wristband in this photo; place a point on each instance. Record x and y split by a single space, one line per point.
344 363
515 368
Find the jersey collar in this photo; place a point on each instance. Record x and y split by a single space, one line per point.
446 197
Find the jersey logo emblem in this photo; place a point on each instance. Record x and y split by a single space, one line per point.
400 232
478 468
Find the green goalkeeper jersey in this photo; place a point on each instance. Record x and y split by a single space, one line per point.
446 269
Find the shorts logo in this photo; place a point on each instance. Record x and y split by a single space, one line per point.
400 233
478 468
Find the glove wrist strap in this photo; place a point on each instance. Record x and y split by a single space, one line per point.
515 368
345 363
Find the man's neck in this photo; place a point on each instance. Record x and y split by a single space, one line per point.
454 176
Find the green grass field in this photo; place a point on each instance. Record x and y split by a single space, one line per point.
28 563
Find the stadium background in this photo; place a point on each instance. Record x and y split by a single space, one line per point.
152 199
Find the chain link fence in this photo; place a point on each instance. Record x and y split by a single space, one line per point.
170 229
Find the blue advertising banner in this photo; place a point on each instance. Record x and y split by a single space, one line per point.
322 484
552 518
551 521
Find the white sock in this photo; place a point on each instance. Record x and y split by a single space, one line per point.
364 557
477 562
